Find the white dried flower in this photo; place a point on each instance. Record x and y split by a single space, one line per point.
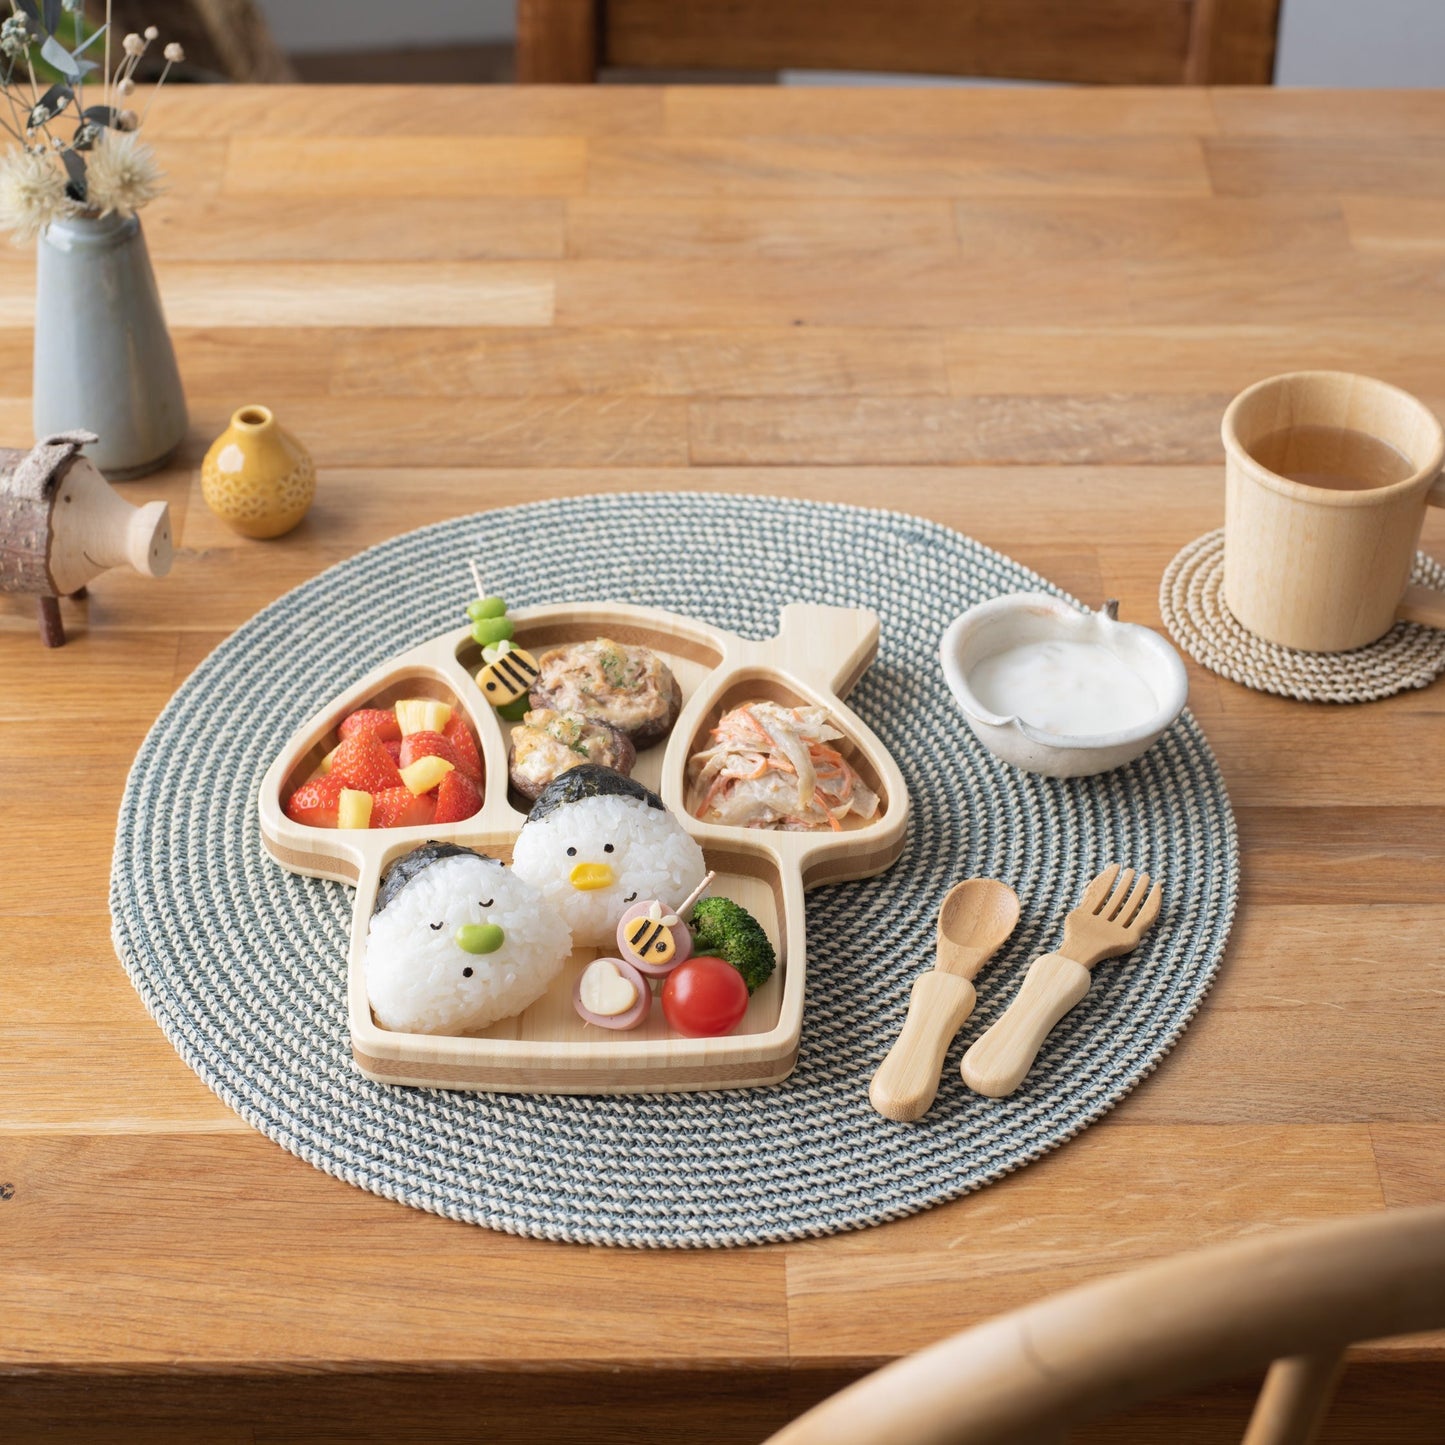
174 53
15 36
32 194
133 44
127 120
151 32
122 176
125 87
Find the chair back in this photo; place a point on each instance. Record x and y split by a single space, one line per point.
1120 42
1295 1297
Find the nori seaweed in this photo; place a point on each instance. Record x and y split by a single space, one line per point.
589 780
410 864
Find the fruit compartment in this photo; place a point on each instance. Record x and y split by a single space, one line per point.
413 683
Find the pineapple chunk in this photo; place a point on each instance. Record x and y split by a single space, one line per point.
424 774
324 766
422 715
353 809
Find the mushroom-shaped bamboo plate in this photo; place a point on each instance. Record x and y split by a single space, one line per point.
816 658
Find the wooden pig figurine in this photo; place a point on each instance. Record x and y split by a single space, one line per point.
61 523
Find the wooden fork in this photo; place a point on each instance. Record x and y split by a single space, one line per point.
1104 925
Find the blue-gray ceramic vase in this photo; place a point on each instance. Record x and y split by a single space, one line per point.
103 357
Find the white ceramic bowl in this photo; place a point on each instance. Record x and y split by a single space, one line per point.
1022 617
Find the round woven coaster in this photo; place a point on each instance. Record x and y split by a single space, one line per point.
243 964
1191 600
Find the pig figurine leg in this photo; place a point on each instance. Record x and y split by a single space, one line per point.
52 629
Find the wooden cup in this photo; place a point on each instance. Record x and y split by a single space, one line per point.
1324 569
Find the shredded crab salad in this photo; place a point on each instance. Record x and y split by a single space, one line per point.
773 767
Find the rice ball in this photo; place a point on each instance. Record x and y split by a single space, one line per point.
457 941
596 843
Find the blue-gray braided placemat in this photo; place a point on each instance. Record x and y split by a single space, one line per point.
243 965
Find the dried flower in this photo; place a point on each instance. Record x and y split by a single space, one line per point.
125 87
123 175
127 120
174 53
16 35
32 194
133 44
73 7
151 32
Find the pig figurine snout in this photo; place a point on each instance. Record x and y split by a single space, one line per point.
95 528
149 548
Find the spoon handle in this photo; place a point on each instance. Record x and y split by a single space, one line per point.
907 1079
997 1061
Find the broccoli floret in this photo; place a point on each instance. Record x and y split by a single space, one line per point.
724 928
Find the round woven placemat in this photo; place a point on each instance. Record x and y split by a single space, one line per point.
243 965
1191 601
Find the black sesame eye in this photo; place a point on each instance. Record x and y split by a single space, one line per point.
571 852
608 848
466 973
436 928
486 902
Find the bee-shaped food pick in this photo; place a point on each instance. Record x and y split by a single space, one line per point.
653 938
508 672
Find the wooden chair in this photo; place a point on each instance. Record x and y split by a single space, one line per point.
1121 42
1296 1298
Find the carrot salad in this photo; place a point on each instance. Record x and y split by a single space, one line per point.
771 766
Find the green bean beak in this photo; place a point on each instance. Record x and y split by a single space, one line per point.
480 937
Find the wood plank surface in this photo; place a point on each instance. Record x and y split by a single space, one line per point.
1017 313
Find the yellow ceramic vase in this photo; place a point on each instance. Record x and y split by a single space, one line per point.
257 478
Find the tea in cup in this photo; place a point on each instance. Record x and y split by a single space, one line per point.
1327 477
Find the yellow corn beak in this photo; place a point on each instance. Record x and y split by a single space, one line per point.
588 877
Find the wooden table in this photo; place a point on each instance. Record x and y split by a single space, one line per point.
1020 314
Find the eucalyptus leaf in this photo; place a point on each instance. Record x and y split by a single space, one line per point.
90 40
57 98
100 114
75 169
85 67
52 17
58 56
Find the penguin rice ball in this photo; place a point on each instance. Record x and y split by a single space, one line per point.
595 843
457 942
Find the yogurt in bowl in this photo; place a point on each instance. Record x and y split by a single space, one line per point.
1061 692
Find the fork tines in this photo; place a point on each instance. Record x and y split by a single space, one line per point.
1116 897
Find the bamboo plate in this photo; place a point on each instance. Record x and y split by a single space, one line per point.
817 657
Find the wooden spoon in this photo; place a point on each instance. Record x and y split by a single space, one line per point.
976 918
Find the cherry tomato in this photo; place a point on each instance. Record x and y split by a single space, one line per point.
704 996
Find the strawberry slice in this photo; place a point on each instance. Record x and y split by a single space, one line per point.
464 745
393 746
315 803
363 763
401 808
457 798
379 721
426 745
